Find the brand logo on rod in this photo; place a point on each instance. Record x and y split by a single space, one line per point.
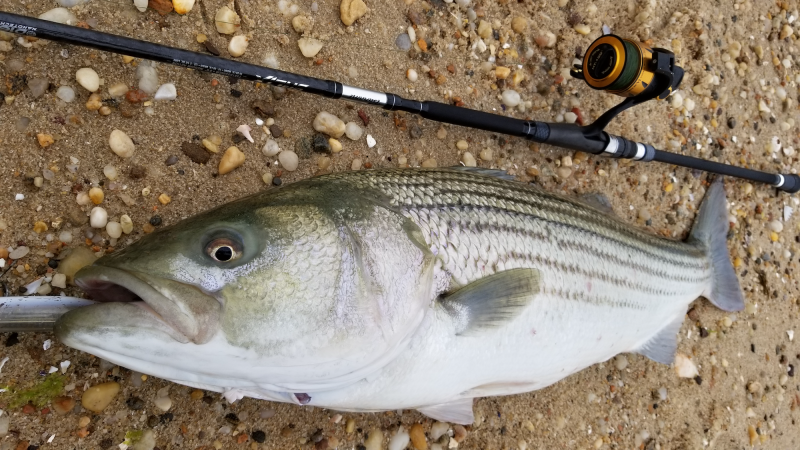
17 29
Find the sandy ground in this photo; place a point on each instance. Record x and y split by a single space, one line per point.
746 394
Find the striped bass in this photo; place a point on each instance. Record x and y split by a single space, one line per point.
398 289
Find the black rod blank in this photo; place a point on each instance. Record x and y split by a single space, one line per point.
573 137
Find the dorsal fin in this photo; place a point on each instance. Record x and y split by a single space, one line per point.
492 301
597 201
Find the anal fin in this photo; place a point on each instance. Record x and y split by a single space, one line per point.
458 411
661 348
492 301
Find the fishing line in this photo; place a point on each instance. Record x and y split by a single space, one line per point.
635 71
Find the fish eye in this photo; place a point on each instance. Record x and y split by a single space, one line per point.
224 250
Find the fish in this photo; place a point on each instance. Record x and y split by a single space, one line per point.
397 289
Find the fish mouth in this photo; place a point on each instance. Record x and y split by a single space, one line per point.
189 314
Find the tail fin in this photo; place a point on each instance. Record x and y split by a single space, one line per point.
711 228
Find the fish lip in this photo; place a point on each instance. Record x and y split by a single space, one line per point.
112 285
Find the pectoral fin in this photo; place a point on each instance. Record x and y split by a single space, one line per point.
458 411
492 301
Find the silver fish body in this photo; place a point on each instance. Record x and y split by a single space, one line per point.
389 289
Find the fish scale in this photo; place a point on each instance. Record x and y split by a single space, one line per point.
533 229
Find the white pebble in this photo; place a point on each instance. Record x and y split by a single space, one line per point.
19 197
511 98
163 403
117 89
126 223
60 15
353 131
370 141
114 230
66 94
677 100
121 144
19 252
468 159
148 78
59 281
289 160
662 393
621 362
776 226
688 104
329 124
309 47
570 117
98 217
65 237
88 78
412 76
400 440
684 366
166 92
110 172
141 5
238 46
271 148
438 429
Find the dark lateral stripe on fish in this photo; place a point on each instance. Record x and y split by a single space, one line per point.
689 255
583 247
534 199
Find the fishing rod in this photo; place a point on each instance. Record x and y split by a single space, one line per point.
620 66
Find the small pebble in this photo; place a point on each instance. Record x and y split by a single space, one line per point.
126 224
98 397
468 159
776 226
96 195
375 440
684 366
289 160
371 141
63 405
166 92
231 159
98 217
88 78
353 131
114 230
417 435
238 46
226 20
309 47
429 163
403 42
400 440
329 124
621 362
486 154
121 144
271 148
336 146
164 199
351 10
511 98
95 102
66 94
118 89
356 164
163 403
59 281
412 75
